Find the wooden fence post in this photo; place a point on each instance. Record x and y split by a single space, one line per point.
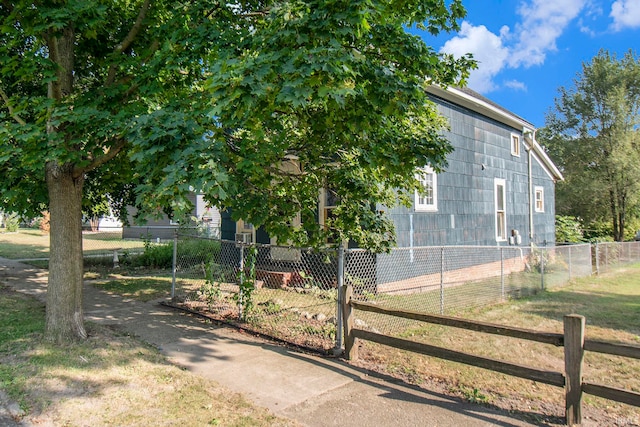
573 356
350 344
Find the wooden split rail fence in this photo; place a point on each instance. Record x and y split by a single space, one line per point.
572 339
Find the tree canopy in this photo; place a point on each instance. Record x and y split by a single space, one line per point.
593 136
156 99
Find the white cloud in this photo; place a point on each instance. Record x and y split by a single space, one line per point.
625 14
487 49
541 23
516 85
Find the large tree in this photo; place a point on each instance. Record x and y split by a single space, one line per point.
593 136
167 97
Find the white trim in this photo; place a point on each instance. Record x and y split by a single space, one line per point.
538 190
466 100
499 182
421 206
515 146
323 207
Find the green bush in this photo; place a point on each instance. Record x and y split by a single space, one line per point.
160 255
568 230
12 222
156 255
200 250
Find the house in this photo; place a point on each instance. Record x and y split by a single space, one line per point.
165 228
498 187
498 190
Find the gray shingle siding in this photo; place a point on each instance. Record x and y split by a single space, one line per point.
466 189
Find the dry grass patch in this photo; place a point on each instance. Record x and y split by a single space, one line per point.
611 305
109 379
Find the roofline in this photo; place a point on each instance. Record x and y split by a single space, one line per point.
466 100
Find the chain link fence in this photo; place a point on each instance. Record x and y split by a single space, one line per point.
451 280
292 293
286 293
106 246
608 255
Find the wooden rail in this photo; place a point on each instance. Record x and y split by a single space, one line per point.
489 328
572 339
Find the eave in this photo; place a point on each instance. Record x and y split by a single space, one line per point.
487 109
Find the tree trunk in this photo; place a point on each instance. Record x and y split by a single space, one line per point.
64 320
64 315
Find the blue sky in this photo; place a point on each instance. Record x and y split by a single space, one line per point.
527 49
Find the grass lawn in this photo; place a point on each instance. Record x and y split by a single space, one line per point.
30 244
24 244
611 305
109 379
610 302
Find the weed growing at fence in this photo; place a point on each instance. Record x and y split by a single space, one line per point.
210 291
247 283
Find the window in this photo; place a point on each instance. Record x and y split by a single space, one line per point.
426 198
539 206
329 200
515 145
329 203
501 212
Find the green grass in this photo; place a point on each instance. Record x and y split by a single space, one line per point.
140 288
610 304
24 244
29 244
108 379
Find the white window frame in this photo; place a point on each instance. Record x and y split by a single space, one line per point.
538 199
515 144
420 204
324 206
500 210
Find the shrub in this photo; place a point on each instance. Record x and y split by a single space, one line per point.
197 251
44 225
157 255
12 222
568 230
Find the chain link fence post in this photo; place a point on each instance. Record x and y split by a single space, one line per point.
543 252
597 258
174 264
502 274
569 255
442 280
240 280
339 305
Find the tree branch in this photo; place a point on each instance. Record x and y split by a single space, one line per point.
99 161
7 5
126 42
13 114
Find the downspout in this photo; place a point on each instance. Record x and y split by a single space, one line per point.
532 135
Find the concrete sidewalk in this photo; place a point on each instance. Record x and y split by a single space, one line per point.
314 390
